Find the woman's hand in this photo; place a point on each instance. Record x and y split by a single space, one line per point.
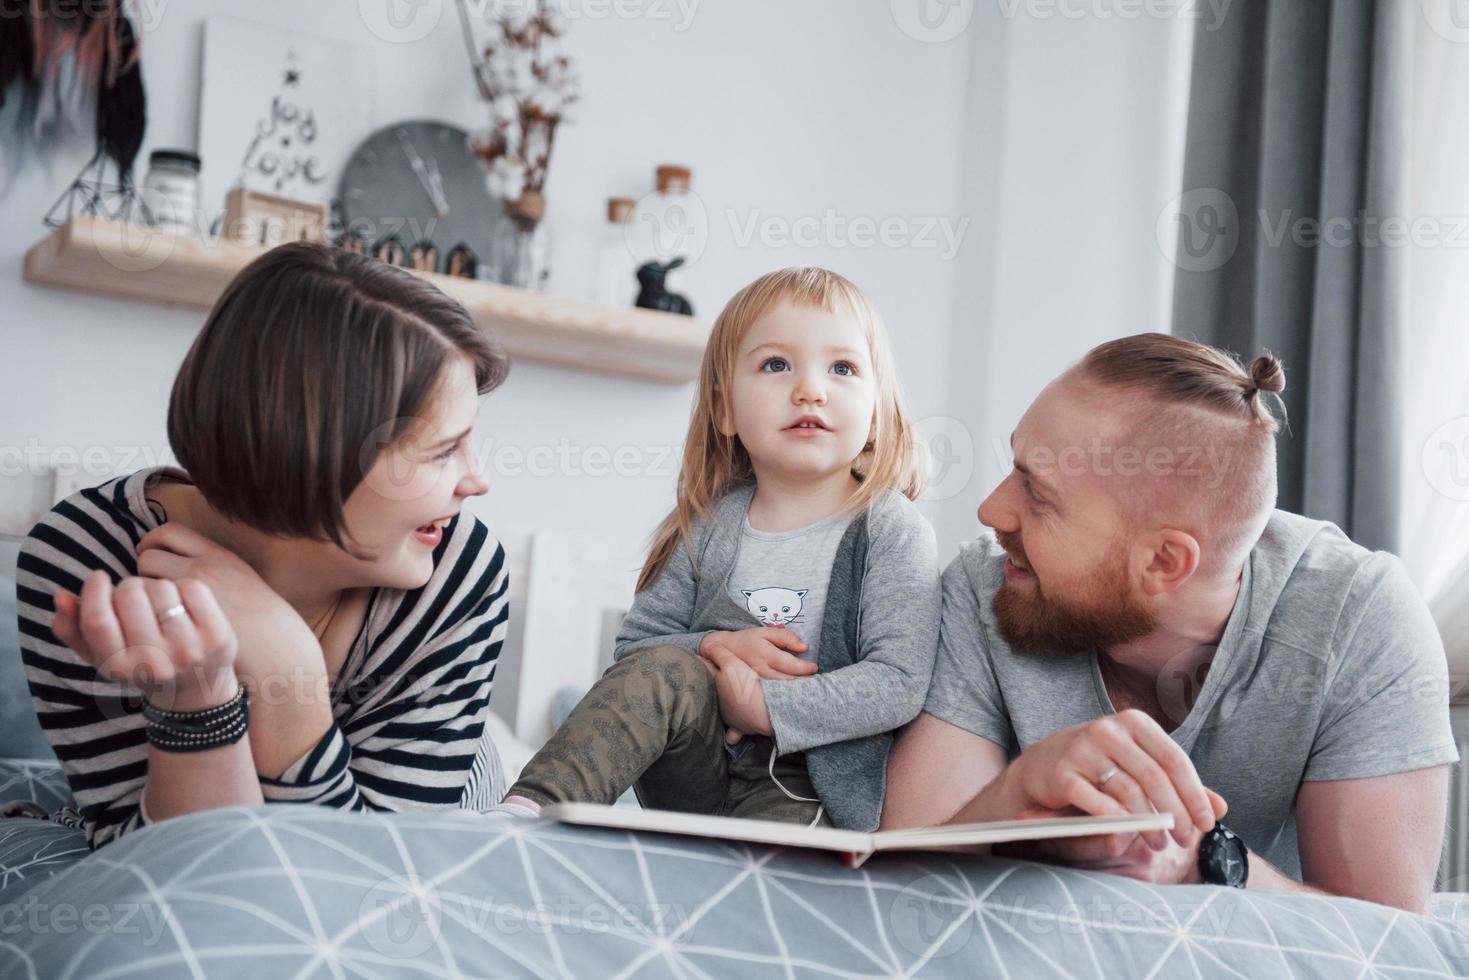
768 651
273 638
184 663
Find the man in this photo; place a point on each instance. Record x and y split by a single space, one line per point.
1143 630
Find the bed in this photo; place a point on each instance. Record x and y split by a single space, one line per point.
290 891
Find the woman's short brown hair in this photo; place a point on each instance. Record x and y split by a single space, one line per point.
311 355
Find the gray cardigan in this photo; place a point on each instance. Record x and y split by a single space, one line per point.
879 640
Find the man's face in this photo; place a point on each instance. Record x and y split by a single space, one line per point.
1069 582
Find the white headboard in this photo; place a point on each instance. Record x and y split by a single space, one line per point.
568 592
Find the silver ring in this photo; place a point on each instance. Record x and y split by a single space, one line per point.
172 612
1102 779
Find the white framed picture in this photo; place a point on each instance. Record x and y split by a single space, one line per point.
279 112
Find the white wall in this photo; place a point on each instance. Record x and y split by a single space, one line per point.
789 108
1075 129
1056 139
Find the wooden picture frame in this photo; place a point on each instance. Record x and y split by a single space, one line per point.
257 218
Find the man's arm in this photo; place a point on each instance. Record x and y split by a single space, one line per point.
935 768
1377 839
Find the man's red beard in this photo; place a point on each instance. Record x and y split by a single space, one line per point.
1101 612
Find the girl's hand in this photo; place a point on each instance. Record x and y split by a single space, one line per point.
184 663
741 699
768 651
272 635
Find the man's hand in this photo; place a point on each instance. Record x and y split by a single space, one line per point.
1152 773
1177 863
769 652
741 700
1127 855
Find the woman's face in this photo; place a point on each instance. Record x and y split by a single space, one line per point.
414 486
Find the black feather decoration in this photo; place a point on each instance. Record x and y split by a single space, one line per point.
35 35
17 53
122 105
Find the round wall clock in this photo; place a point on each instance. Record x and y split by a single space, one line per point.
417 180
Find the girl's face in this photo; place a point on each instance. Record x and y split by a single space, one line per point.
803 393
415 485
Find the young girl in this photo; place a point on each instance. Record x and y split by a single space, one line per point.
787 618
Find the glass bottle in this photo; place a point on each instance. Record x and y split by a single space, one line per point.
617 269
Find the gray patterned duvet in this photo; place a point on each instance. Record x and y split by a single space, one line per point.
287 891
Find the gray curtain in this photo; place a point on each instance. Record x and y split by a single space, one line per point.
1299 111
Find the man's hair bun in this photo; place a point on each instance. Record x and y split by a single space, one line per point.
1267 374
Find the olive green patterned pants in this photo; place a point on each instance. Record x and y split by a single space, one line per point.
652 722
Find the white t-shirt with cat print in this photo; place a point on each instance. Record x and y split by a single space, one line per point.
781 577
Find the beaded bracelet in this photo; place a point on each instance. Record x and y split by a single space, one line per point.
195 731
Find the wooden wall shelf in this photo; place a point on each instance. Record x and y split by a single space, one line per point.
131 262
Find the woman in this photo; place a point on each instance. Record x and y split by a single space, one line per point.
302 613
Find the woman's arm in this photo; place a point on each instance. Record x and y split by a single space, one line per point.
92 720
112 637
415 717
280 662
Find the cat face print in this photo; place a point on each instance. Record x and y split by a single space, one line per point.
774 607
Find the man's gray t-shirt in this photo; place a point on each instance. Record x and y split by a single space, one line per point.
1330 667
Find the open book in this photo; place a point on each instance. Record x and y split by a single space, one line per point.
856 846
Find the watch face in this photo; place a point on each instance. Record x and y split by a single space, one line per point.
419 180
1223 858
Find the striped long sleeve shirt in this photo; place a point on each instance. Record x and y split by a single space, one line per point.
408 705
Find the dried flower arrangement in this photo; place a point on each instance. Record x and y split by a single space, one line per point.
529 85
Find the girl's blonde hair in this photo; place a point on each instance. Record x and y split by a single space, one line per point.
713 463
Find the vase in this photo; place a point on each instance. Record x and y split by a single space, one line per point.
521 248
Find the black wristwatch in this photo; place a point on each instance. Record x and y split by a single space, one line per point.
1223 858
